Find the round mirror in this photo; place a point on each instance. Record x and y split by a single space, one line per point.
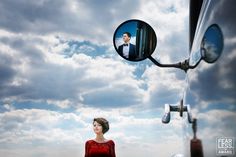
134 40
212 44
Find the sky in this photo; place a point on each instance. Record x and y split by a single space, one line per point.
128 26
59 70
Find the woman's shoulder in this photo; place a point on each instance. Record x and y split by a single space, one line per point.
89 141
111 142
106 141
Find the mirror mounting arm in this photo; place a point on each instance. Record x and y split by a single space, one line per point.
181 65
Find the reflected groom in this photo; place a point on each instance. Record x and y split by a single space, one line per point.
127 49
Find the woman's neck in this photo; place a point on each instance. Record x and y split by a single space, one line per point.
100 137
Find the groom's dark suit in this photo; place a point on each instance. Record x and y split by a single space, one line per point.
132 53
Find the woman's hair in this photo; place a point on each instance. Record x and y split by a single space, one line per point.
103 122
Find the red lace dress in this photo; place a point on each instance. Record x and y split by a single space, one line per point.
96 149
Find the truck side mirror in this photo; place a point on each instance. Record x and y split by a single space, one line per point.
211 47
212 44
134 40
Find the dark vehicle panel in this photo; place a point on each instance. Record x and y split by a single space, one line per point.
211 89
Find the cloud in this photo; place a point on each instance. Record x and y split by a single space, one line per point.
53 77
37 126
161 89
84 20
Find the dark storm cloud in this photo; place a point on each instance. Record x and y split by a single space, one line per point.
23 16
215 83
20 51
164 95
6 71
82 18
215 88
24 51
119 96
46 82
226 16
210 83
26 48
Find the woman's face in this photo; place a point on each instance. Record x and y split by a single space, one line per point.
97 128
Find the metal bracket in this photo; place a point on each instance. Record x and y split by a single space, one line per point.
180 108
181 65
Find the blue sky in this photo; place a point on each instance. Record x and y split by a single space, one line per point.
127 27
130 27
59 70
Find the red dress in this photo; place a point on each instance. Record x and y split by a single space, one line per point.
96 149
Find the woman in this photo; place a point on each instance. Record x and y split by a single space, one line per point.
100 147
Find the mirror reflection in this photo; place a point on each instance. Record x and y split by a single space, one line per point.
134 40
212 44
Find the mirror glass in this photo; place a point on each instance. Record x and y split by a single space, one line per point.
134 40
212 44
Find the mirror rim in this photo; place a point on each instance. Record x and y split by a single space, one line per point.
114 43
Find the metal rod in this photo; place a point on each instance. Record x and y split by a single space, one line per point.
181 65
